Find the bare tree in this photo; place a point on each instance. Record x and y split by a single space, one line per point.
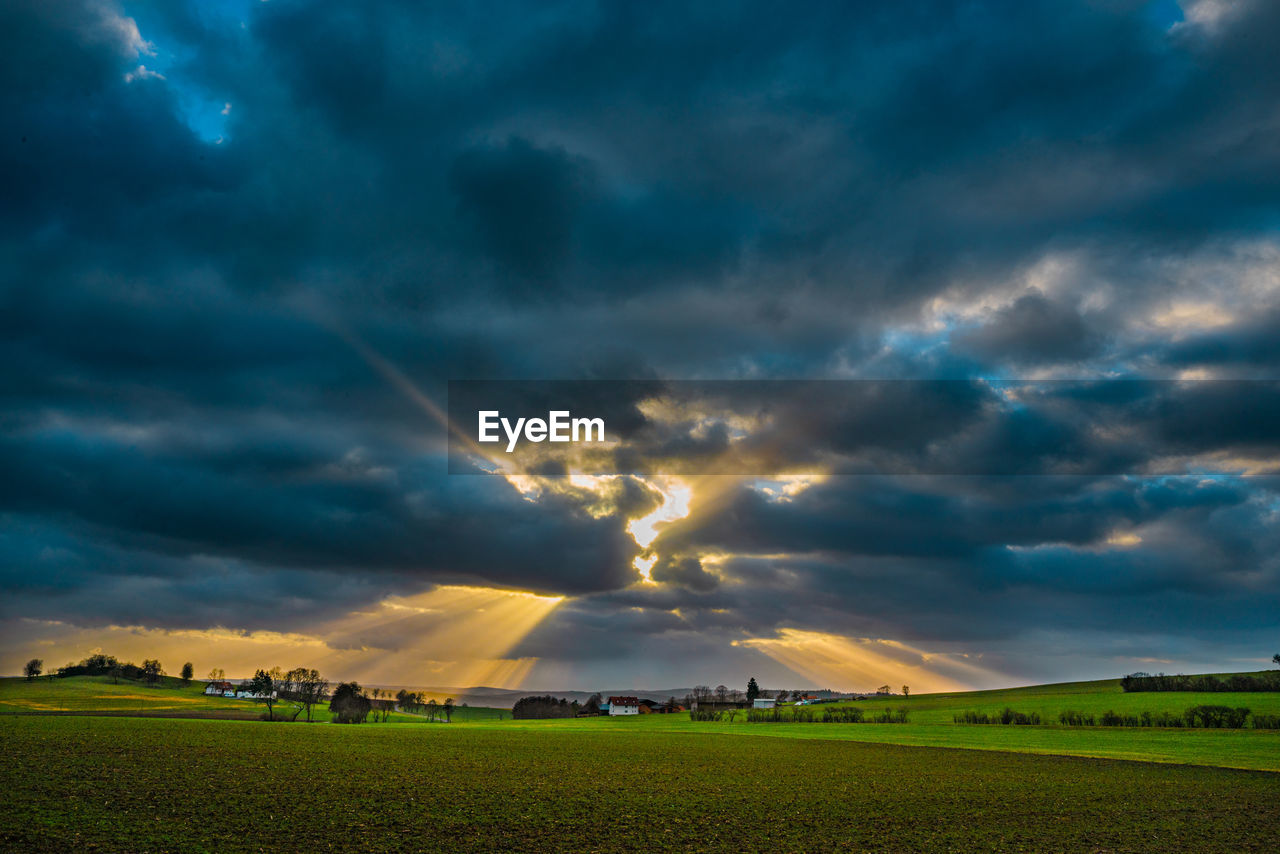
722 693
906 690
308 686
431 708
217 675
448 710
117 670
33 668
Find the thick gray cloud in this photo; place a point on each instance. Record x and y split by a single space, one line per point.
213 216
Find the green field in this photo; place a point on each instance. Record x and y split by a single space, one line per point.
89 764
170 698
1049 700
134 784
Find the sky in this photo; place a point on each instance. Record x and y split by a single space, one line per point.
246 245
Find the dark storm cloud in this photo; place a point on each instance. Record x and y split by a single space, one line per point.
1032 329
204 222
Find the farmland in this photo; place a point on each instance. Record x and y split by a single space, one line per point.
102 695
159 784
92 764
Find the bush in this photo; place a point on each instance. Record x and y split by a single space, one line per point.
1164 719
802 715
847 715
1215 717
546 706
1266 721
709 715
1071 718
102 665
1237 682
898 716
1008 716
349 704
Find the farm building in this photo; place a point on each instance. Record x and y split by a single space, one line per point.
217 689
765 702
624 706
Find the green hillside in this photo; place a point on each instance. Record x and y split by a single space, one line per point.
931 725
930 719
102 695
1049 700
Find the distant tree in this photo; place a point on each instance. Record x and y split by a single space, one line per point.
593 704
1275 659
308 686
701 693
263 686
187 672
152 671
884 689
906 691
722 693
782 695
431 708
544 707
349 704
753 690
217 675
116 672
33 668
284 683
448 710
383 709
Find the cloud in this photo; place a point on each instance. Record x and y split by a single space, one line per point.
958 192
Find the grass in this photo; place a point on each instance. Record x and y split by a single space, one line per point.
169 698
121 784
1049 700
930 719
102 694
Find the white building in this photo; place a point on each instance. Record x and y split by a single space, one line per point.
765 702
624 706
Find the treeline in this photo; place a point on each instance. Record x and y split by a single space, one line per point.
842 715
418 703
1237 682
534 708
98 664
1005 716
1196 717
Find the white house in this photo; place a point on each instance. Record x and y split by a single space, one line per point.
765 702
217 689
624 706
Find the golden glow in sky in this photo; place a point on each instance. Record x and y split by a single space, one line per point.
864 664
451 636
